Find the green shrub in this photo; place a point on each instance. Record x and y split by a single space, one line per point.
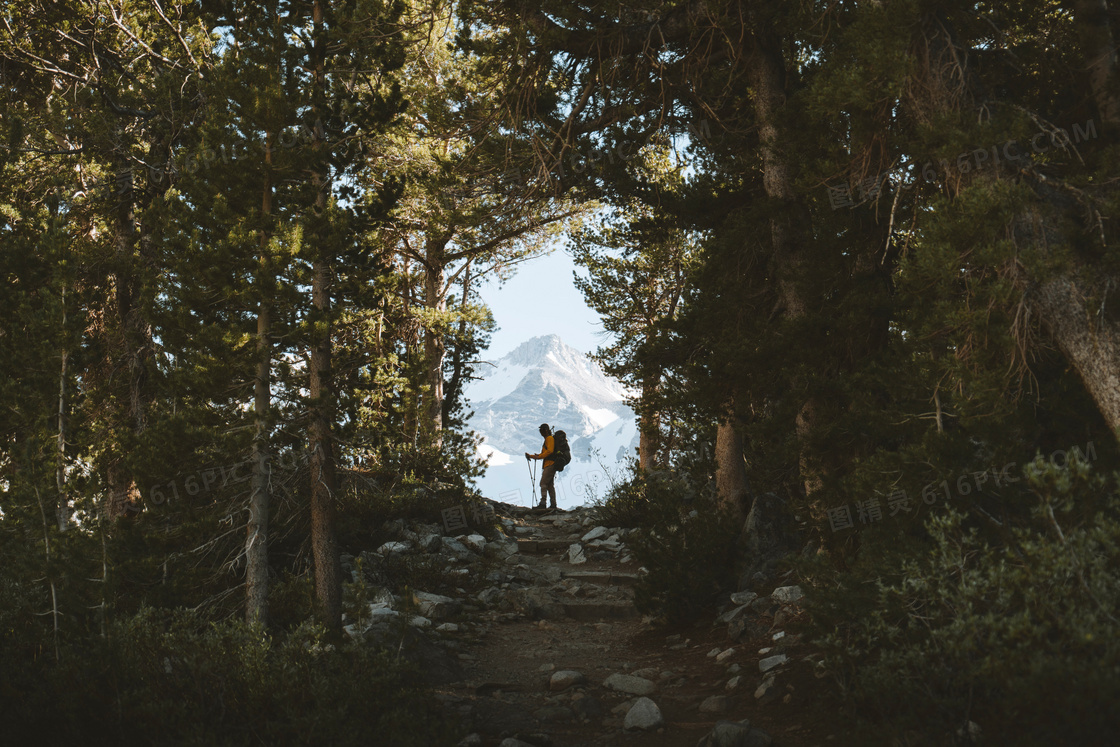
1022 639
685 544
170 678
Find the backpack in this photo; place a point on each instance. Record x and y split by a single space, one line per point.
561 452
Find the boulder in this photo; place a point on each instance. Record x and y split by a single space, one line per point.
394 548
456 548
629 684
594 534
735 734
564 679
770 662
575 554
436 606
769 534
716 704
787 594
743 597
644 714
475 542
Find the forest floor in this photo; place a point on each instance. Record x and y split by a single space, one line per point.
580 617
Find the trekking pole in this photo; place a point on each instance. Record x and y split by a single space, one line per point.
532 481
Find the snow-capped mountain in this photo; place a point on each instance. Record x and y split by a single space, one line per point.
545 381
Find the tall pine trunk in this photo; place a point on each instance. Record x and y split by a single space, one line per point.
435 349
256 541
324 545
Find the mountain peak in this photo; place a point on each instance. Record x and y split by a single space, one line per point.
533 351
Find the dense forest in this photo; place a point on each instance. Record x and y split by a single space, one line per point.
852 256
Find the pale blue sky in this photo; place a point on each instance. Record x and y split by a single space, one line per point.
541 299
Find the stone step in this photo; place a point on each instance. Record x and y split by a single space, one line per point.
537 546
608 578
600 611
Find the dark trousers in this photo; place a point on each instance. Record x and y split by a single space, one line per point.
548 479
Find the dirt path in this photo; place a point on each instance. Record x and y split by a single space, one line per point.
547 615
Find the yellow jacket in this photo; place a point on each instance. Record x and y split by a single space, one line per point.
549 447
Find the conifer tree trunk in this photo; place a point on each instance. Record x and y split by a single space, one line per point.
731 475
62 510
767 76
256 542
328 570
649 429
435 348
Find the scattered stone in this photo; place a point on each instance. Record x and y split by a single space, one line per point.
787 594
716 704
564 679
471 740
575 554
772 661
419 621
762 605
475 542
595 534
644 714
648 673
675 638
629 684
725 654
514 742
455 547
743 597
394 548
733 683
435 606
430 542
732 734
765 688
765 650
448 628
778 636
546 668
732 614
734 669
714 652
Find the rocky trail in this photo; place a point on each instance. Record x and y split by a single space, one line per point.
534 640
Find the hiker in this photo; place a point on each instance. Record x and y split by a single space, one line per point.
548 469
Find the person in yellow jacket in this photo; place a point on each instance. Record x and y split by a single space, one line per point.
548 469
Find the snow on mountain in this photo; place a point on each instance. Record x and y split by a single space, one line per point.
545 381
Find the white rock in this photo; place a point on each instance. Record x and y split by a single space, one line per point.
734 682
594 534
390 548
448 628
732 614
787 594
766 686
564 679
772 661
435 606
626 683
575 554
419 621
475 542
743 597
644 714
724 654
714 652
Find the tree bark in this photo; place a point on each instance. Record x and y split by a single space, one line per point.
256 541
649 429
328 569
62 510
731 475
435 348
